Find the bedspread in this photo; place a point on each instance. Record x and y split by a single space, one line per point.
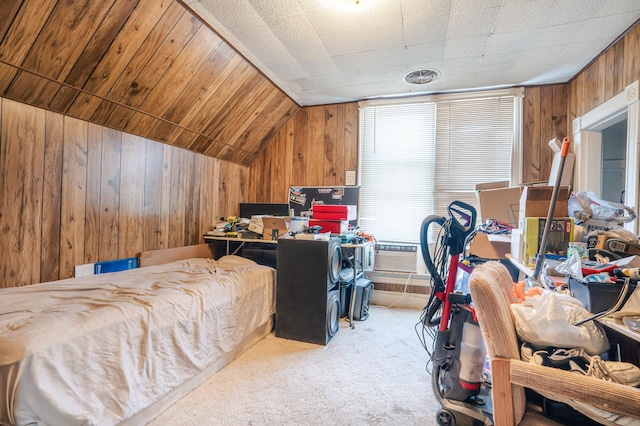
96 350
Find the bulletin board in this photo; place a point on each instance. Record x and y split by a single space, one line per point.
302 198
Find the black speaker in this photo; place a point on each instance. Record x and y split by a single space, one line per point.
308 291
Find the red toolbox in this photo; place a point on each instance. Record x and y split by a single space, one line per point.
333 226
334 212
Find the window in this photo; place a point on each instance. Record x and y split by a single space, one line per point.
420 155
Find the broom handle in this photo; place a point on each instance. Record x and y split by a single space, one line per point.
554 198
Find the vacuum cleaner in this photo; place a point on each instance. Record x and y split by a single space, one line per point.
459 354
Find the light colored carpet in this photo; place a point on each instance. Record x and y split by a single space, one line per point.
371 375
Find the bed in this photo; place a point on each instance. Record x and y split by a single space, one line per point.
121 347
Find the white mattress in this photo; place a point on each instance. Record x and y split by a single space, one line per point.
97 350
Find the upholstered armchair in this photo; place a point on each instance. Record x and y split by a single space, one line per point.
491 288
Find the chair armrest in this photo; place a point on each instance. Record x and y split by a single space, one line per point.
600 393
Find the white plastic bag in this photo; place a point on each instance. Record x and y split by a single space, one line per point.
584 206
547 320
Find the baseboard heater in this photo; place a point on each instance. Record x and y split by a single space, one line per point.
397 258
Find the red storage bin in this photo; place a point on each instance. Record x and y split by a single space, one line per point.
334 212
333 226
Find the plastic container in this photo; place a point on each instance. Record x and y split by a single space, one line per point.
472 354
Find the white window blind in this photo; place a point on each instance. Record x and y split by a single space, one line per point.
397 160
417 158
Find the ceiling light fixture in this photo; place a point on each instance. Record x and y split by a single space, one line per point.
422 76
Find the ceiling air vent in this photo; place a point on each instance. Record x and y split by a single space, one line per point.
421 76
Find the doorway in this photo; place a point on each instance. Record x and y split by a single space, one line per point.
605 141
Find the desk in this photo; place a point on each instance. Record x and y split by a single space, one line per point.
236 246
262 252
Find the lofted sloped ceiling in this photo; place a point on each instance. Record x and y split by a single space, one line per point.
146 67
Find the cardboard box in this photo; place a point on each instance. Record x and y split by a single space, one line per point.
334 212
255 224
535 201
558 242
499 201
486 246
333 226
275 226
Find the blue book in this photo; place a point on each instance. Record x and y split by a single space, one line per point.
115 265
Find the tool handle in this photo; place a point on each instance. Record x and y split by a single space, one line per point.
566 142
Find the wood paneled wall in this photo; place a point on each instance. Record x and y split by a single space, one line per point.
607 76
315 148
544 117
146 67
73 192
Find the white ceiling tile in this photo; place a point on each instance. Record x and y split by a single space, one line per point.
293 28
336 45
508 42
272 10
472 24
418 11
328 21
369 60
289 72
274 55
616 7
457 66
555 36
522 16
419 32
502 61
324 51
563 12
469 6
319 67
542 56
582 51
425 52
306 50
592 30
464 47
229 13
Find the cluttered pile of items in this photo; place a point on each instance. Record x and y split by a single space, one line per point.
325 221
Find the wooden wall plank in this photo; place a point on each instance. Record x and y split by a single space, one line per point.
140 23
152 195
52 180
22 164
209 194
10 9
56 49
330 149
92 203
351 136
74 179
146 67
315 165
165 215
91 193
545 123
531 131
193 199
178 197
288 156
110 194
124 80
340 144
631 70
131 211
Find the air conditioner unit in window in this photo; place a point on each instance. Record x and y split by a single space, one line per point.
392 257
